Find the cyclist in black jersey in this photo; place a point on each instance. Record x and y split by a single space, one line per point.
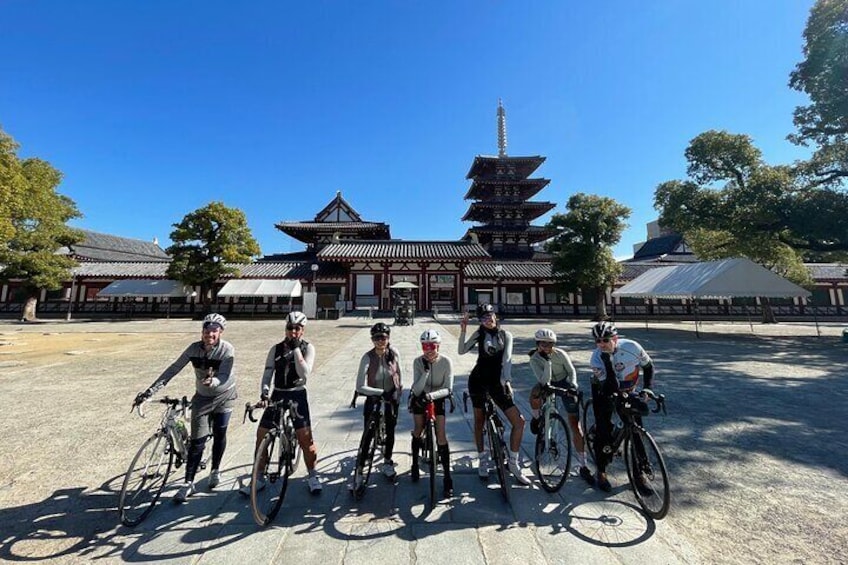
492 375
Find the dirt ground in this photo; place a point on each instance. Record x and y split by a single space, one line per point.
755 438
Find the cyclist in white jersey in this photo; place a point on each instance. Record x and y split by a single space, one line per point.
616 365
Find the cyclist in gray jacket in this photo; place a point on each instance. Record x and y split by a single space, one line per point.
433 381
213 400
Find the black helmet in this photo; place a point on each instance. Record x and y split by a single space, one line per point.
604 330
484 309
380 329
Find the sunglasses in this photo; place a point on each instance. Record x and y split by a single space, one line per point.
603 340
212 326
545 343
487 317
293 327
379 338
429 346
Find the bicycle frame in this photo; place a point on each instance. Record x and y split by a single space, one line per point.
493 427
368 444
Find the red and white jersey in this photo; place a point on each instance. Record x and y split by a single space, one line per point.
626 360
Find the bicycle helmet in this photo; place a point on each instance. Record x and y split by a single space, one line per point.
296 319
604 330
215 319
485 309
431 336
380 329
545 334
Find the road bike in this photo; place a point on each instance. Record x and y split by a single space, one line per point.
429 450
553 443
148 473
493 429
646 470
276 459
372 442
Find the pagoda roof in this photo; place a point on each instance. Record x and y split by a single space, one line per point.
307 231
338 210
482 188
404 250
487 166
483 211
534 233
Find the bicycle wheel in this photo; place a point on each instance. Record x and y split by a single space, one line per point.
365 458
589 430
553 454
647 474
430 443
497 450
268 482
145 479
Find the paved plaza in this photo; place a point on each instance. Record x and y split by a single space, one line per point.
755 441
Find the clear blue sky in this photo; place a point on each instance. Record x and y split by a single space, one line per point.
153 109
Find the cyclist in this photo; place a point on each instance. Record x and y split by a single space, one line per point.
213 400
379 378
552 365
287 368
615 363
433 380
492 375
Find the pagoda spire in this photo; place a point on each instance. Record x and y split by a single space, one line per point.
501 129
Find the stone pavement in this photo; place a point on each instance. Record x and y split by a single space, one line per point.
392 523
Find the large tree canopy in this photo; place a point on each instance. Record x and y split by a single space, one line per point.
823 76
733 204
33 228
205 241
582 250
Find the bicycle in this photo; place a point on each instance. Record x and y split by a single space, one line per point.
493 428
149 470
646 470
373 436
429 451
553 443
275 461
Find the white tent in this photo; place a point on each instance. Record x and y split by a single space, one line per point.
261 287
143 287
727 278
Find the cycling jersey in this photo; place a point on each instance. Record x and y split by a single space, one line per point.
378 374
289 365
494 352
558 370
216 363
435 378
626 360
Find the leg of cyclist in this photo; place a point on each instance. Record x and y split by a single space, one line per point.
535 409
603 407
390 414
503 398
269 417
572 408
200 431
477 391
303 429
417 430
220 422
444 450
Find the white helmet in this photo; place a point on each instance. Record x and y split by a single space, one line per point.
215 319
545 334
296 319
431 336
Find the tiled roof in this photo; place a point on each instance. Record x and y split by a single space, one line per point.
332 226
828 271
482 211
515 270
657 247
435 250
117 270
486 166
512 229
483 188
104 247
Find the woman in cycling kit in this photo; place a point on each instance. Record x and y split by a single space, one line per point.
213 400
492 375
379 378
433 381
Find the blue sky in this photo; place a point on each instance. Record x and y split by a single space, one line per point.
153 109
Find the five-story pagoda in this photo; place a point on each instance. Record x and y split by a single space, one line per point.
501 189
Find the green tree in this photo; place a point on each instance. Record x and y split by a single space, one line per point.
205 241
823 76
33 228
582 249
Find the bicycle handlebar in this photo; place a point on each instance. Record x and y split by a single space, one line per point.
171 402
572 392
249 408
